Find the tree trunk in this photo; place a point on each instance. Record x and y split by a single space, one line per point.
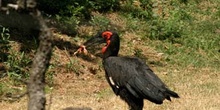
40 64
36 82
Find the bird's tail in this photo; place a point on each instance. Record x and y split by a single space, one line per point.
170 93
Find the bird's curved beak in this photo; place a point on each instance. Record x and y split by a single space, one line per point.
94 41
98 39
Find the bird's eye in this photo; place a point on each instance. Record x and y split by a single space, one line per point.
105 36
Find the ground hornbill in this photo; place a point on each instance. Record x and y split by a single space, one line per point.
130 78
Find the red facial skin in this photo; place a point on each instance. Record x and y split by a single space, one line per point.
107 35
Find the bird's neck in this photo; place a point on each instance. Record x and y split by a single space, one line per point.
112 48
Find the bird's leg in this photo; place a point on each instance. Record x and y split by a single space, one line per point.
133 102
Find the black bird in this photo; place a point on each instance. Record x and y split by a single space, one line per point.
130 78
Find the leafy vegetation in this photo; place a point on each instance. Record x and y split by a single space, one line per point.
4 43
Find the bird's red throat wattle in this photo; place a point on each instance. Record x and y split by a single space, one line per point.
107 35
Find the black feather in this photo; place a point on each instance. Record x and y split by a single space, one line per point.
131 78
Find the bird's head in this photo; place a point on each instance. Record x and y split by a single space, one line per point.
102 37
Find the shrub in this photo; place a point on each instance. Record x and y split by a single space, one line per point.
138 9
18 65
101 22
170 27
4 43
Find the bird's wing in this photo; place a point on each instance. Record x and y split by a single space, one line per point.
136 76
